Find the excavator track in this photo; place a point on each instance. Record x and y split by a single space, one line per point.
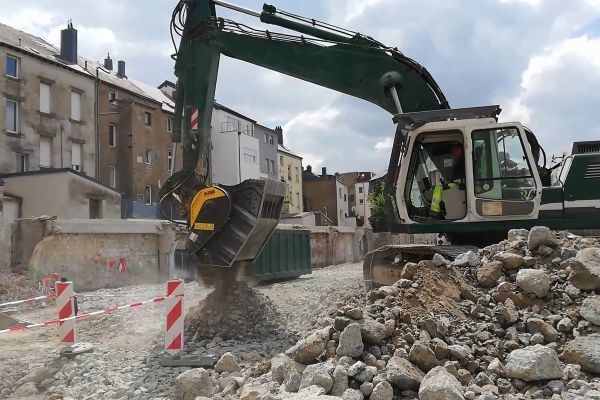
384 265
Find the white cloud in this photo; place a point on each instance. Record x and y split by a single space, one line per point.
307 120
557 96
532 3
315 161
31 20
385 144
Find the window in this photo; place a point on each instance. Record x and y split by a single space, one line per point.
289 173
340 192
45 98
281 160
22 162
148 194
12 66
140 198
112 135
76 157
112 96
76 106
12 116
273 167
345 198
297 175
45 152
267 166
266 138
360 201
297 199
148 156
95 208
249 157
112 176
501 169
147 119
351 198
169 124
169 159
360 189
270 139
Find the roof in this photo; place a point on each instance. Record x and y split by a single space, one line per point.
284 149
37 47
219 106
58 171
348 178
380 175
167 83
168 104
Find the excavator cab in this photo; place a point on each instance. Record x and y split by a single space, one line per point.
461 168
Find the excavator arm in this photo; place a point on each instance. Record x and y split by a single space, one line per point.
328 56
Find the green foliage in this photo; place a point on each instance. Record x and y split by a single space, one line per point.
377 203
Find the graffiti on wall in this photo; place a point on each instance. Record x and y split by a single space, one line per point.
119 261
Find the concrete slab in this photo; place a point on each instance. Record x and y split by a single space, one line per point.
6 321
189 361
76 349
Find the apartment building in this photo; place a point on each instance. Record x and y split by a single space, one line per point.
47 96
357 185
235 151
290 172
267 150
136 155
326 194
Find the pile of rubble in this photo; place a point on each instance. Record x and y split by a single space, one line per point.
16 287
237 319
518 320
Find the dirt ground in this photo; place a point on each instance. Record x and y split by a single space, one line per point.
133 335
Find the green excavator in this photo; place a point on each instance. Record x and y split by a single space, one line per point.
456 172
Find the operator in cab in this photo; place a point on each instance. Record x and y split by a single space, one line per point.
457 181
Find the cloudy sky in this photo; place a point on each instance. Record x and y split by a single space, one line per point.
538 59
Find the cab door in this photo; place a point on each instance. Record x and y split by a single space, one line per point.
504 180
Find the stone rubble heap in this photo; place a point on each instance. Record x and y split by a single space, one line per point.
518 320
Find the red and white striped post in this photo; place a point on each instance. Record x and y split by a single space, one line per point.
66 309
194 118
175 317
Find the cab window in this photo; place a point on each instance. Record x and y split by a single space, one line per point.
501 169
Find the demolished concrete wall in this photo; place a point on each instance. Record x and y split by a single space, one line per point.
106 253
5 244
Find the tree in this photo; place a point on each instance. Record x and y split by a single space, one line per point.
377 205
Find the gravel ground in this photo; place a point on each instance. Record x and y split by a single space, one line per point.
127 345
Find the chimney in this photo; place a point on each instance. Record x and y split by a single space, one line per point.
323 171
279 135
309 169
68 44
108 65
121 69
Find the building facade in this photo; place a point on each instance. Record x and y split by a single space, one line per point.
47 96
59 192
136 155
326 194
357 184
290 172
267 150
234 155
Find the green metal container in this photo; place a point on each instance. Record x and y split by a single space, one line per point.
286 255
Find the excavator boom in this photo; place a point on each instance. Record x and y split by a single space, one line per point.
332 57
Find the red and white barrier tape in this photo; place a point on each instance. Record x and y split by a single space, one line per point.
108 310
53 296
12 303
